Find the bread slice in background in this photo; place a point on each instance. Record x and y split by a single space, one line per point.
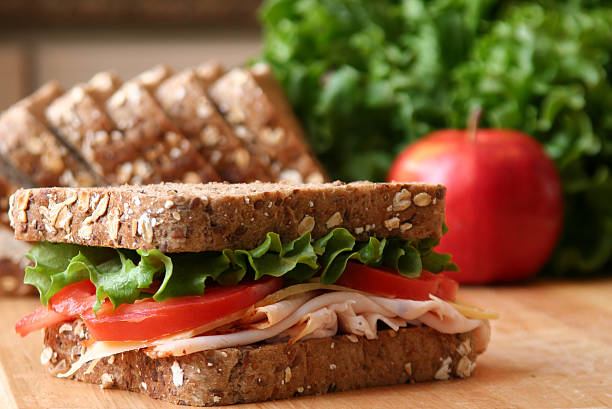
208 72
153 77
215 216
12 252
13 264
78 118
183 97
29 146
254 105
103 85
166 154
261 372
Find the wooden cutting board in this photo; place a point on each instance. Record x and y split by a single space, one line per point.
552 348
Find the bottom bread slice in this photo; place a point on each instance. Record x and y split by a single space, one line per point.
273 371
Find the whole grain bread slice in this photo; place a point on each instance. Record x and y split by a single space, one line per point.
30 147
183 97
166 154
12 261
79 119
263 372
214 216
254 104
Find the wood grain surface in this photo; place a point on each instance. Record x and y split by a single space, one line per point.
552 348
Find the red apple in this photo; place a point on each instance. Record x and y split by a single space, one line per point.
504 205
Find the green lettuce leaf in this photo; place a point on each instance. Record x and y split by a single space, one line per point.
122 275
57 265
277 259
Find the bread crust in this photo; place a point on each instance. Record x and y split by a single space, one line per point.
273 371
215 216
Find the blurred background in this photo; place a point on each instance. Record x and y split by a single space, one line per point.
71 40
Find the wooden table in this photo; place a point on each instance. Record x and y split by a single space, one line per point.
552 348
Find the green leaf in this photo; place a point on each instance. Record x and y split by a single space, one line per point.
120 280
186 273
404 257
57 265
122 275
276 259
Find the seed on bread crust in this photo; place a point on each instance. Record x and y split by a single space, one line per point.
392 223
106 381
464 367
445 369
402 200
422 199
334 220
306 225
404 227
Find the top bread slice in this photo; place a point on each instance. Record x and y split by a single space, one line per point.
255 106
215 216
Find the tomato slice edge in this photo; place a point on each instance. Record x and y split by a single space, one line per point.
385 282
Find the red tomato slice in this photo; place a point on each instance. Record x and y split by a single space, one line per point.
65 305
148 319
391 284
74 299
40 318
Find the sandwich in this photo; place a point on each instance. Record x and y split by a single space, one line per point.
214 294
